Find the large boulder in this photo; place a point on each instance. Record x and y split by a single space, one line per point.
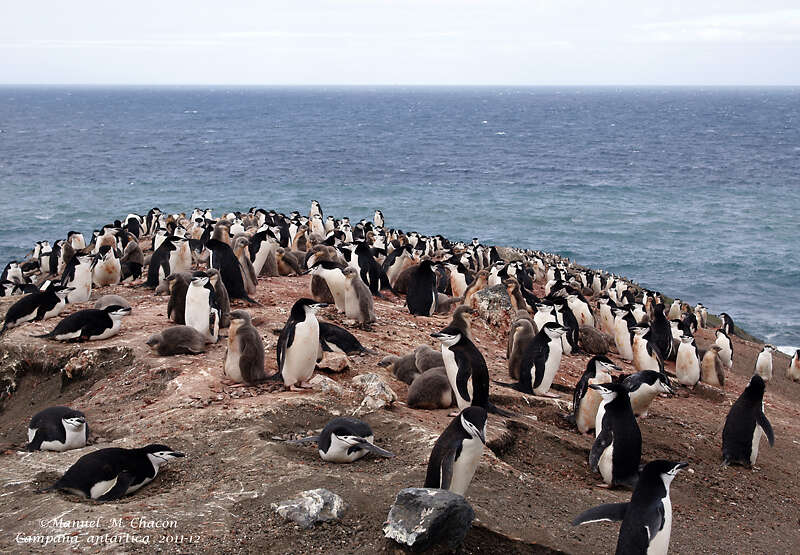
494 305
422 518
311 507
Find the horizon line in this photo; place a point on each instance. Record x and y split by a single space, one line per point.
411 85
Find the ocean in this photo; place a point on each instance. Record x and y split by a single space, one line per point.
693 192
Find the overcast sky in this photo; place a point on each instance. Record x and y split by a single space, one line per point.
429 42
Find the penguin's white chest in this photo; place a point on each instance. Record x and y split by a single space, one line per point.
108 332
659 539
622 338
725 352
56 310
339 450
451 367
641 399
301 357
757 433
687 367
197 311
232 369
465 466
606 319
107 272
598 420
337 285
541 318
605 465
551 365
458 284
82 284
764 366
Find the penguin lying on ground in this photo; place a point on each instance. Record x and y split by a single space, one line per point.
57 429
89 324
38 306
112 473
338 340
647 517
178 340
344 440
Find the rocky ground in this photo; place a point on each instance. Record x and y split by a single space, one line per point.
530 484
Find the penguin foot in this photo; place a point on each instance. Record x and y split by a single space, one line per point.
454 414
603 485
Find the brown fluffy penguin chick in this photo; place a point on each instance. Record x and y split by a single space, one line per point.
287 262
431 390
242 253
521 315
594 341
358 301
524 332
401 284
403 368
244 358
461 320
426 357
517 300
177 340
481 280
178 285
445 303
712 371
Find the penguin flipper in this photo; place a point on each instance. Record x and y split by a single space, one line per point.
120 488
448 461
766 427
375 449
36 443
608 512
603 440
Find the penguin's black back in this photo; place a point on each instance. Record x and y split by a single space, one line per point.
343 426
737 435
225 261
470 362
421 290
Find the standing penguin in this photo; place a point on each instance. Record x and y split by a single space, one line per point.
585 400
332 273
200 310
727 323
793 371
358 299
224 260
298 345
647 518
57 429
106 269
764 362
687 362
176 306
345 440
726 348
466 368
242 253
78 277
421 297
745 424
646 355
712 371
244 357
541 361
457 452
623 321
661 332
617 449
520 336
112 473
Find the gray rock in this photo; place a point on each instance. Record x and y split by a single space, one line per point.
311 507
377 394
494 305
423 517
508 254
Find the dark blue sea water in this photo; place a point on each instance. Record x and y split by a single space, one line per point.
693 192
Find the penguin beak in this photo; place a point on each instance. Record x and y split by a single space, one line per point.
177 454
681 466
319 305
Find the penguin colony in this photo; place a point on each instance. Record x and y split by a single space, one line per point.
204 264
